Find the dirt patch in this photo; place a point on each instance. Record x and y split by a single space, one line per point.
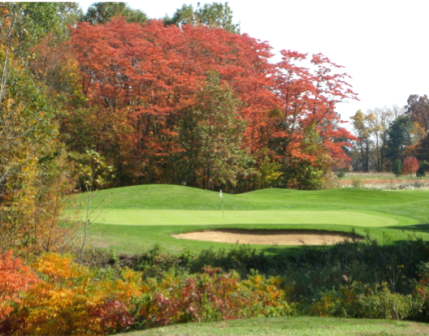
270 237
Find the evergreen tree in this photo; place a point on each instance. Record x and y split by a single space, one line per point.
397 168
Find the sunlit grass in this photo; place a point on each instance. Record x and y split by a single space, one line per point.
136 218
300 326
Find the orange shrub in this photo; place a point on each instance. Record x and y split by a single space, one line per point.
15 279
73 300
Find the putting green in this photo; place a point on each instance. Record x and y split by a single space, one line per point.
208 217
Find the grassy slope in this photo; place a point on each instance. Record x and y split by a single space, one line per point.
301 326
403 212
186 198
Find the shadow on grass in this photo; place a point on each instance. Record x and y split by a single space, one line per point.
411 228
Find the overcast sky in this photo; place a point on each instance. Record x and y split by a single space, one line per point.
383 44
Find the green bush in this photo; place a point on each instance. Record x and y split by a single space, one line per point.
421 172
356 183
341 173
363 301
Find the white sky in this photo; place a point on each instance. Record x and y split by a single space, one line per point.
381 43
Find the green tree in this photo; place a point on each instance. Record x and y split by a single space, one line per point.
398 138
101 12
421 172
397 168
38 19
383 117
33 176
213 15
211 133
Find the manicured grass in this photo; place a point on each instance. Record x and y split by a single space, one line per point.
207 217
299 326
136 218
186 198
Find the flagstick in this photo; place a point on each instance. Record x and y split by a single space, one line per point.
221 198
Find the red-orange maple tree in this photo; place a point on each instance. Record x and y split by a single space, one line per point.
410 165
307 136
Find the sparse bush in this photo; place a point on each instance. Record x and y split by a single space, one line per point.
341 173
356 183
418 185
363 301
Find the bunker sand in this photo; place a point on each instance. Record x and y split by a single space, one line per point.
270 237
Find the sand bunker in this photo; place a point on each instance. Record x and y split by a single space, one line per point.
270 237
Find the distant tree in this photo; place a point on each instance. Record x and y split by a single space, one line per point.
421 172
398 138
410 166
363 127
384 116
418 110
213 15
397 168
101 12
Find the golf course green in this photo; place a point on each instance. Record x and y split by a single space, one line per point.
129 219
206 217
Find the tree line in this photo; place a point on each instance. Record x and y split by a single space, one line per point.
389 137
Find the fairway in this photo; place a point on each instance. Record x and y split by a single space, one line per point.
211 217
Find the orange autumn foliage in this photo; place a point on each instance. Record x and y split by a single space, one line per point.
141 81
410 165
15 279
72 300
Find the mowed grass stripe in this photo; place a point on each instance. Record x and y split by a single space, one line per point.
209 217
298 326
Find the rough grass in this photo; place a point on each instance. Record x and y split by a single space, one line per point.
383 181
300 326
136 218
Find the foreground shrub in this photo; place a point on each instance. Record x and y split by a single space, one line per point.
211 296
73 300
15 279
363 301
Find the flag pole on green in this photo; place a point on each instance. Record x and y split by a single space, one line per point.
221 197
